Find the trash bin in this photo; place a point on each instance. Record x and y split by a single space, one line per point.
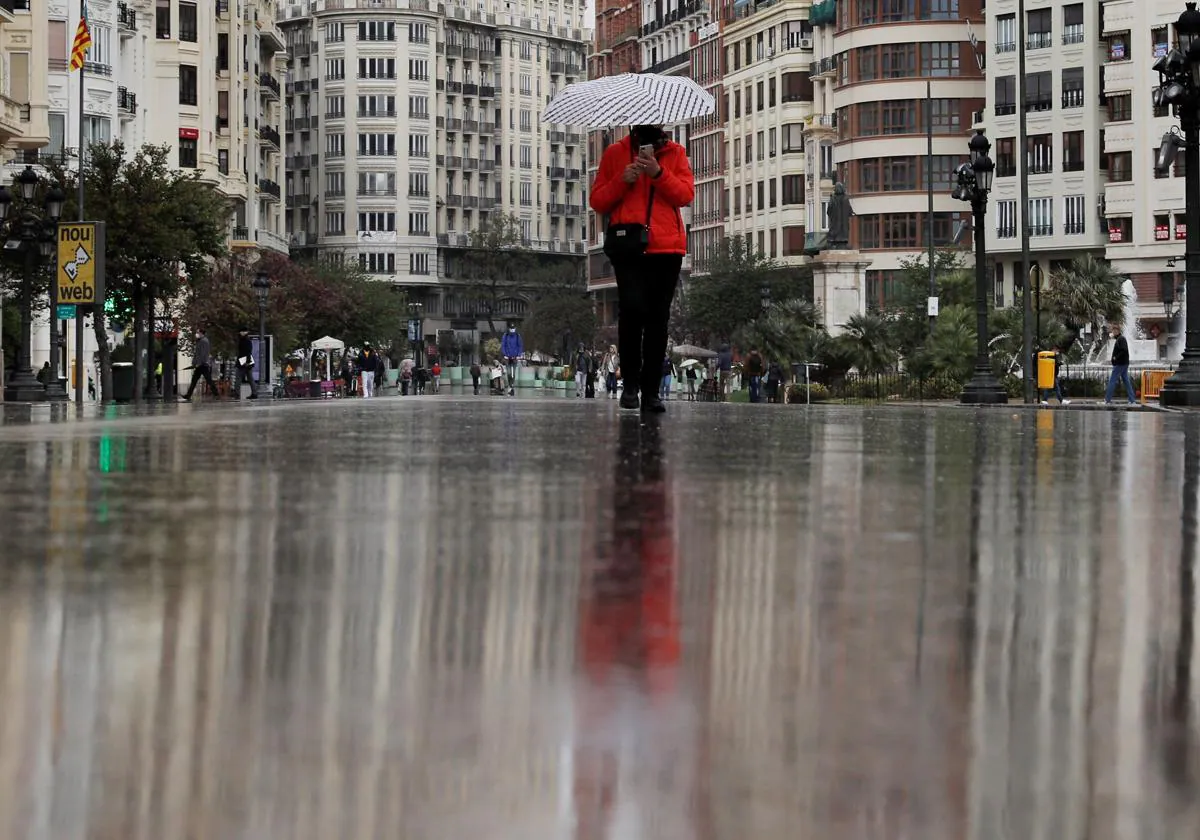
1045 370
122 375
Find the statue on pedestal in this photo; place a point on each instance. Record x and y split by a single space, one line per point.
840 212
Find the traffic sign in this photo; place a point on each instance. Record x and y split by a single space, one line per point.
64 311
80 278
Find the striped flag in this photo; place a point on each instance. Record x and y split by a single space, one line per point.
83 39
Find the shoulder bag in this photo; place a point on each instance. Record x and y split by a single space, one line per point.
627 241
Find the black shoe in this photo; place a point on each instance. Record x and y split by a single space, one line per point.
653 405
630 401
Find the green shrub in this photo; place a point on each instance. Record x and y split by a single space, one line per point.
798 393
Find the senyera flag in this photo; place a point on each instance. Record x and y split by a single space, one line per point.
83 39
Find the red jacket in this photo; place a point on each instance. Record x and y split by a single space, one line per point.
625 204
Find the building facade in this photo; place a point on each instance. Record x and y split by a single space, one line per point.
769 96
1065 128
411 122
709 147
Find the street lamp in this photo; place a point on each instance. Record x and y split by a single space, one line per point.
262 287
416 331
32 233
1179 86
974 183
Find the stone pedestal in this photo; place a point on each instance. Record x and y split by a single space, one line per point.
840 287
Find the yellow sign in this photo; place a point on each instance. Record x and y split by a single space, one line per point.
77 250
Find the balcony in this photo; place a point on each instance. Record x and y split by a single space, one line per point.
471 126
670 63
268 86
454 87
298 200
298 124
126 103
269 189
487 166
454 200
300 161
453 124
1041 230
557 172
298 87
126 20
1072 98
822 67
574 139
470 202
471 164
558 67
487 128
470 89
269 136
1039 41
240 234
487 92
558 137
556 209
272 240
377 191
454 50
453 162
573 174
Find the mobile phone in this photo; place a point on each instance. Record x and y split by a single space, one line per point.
646 151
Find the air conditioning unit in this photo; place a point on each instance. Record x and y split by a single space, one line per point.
806 43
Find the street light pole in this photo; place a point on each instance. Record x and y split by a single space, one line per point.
974 183
262 288
1179 85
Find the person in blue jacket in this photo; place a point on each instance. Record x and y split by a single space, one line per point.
512 349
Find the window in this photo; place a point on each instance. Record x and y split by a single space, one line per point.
335 33
793 189
772 145
335 107
760 144
943 172
1006 157
377 145
418 224
1074 216
526 84
418 33
526 50
998 285
1072 151
1120 166
868 119
793 138
526 120
418 69
418 184
222 52
946 116
1038 31
759 96
377 263
1073 24
1006 219
377 221
187 84
418 263
418 145
1120 229
1119 47
162 19
187 22
335 69
223 161
900 230
526 156
1041 216
379 105
187 153
737 103
418 107
1039 153
939 59
377 68
1039 90
899 60
1006 95
1072 87
1161 109
526 194
376 30
899 116
737 200
797 87
335 223
899 174
868 231
1120 107
1162 227
1006 33
771 92
869 180
335 184
335 145
762 203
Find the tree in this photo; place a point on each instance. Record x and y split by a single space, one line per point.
786 332
161 224
907 307
560 310
498 263
869 342
731 294
1086 292
950 350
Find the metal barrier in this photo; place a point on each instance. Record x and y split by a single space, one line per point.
1152 382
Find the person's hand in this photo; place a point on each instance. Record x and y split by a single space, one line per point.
631 173
649 166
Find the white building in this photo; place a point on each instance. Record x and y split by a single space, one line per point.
1065 133
409 122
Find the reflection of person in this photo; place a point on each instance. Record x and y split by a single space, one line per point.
644 178
840 212
202 366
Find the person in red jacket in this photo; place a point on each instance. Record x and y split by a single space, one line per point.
631 168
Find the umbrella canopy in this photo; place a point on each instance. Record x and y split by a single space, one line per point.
328 343
691 363
630 99
693 350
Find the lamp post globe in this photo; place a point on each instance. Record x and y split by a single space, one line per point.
974 182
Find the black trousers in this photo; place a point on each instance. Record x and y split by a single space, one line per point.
205 372
645 288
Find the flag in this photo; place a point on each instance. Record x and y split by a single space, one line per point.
83 39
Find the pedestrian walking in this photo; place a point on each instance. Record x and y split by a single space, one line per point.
1120 367
668 372
691 383
724 370
245 364
774 381
201 368
754 371
406 379
583 363
476 374
1057 382
642 183
437 376
368 363
611 364
512 348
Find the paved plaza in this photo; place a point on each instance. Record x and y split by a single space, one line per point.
441 618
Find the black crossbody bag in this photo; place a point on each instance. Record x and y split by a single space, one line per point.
624 242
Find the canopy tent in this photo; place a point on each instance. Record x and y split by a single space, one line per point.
328 343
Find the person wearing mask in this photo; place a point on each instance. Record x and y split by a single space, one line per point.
643 181
245 364
201 366
368 362
1120 367
754 371
611 364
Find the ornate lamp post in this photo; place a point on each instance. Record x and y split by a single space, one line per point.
974 183
35 234
1179 86
262 288
416 330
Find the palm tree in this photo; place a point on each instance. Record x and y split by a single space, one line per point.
1087 292
783 333
869 339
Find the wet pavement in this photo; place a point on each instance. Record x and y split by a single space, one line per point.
458 618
